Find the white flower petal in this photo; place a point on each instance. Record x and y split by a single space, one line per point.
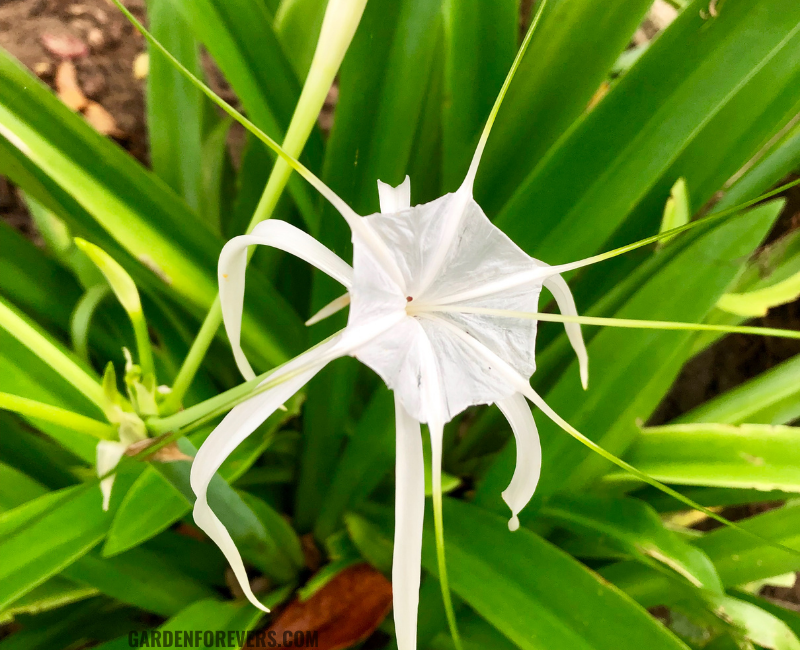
233 262
245 418
566 304
109 453
234 428
395 199
409 515
529 455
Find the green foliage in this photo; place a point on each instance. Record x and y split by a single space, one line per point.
705 112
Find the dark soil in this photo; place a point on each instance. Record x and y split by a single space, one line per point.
105 73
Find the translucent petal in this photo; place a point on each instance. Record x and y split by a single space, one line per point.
409 515
233 262
556 285
109 454
529 455
395 199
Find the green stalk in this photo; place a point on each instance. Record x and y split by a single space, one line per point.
438 525
339 25
214 406
56 415
41 345
194 358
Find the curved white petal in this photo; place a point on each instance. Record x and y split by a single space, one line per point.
409 515
109 453
394 199
566 304
529 455
245 418
233 262
234 428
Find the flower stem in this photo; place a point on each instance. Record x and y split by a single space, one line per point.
211 408
438 525
194 358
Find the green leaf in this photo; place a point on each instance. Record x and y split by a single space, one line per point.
755 624
174 106
109 198
52 594
639 364
635 528
203 615
738 558
138 577
756 456
216 174
266 548
44 536
41 459
578 40
30 377
297 23
369 541
34 281
366 460
725 87
677 211
769 398
240 36
148 508
51 352
791 618
16 488
516 582
476 63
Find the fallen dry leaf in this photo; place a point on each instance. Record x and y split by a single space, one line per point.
311 552
64 46
345 611
67 86
102 121
141 65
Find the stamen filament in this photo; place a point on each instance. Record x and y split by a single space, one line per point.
521 385
628 323
544 271
487 129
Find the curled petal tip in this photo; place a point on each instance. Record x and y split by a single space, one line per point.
513 523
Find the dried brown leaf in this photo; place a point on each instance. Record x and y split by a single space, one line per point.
67 86
345 611
102 120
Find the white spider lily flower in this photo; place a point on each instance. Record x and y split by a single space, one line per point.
407 261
